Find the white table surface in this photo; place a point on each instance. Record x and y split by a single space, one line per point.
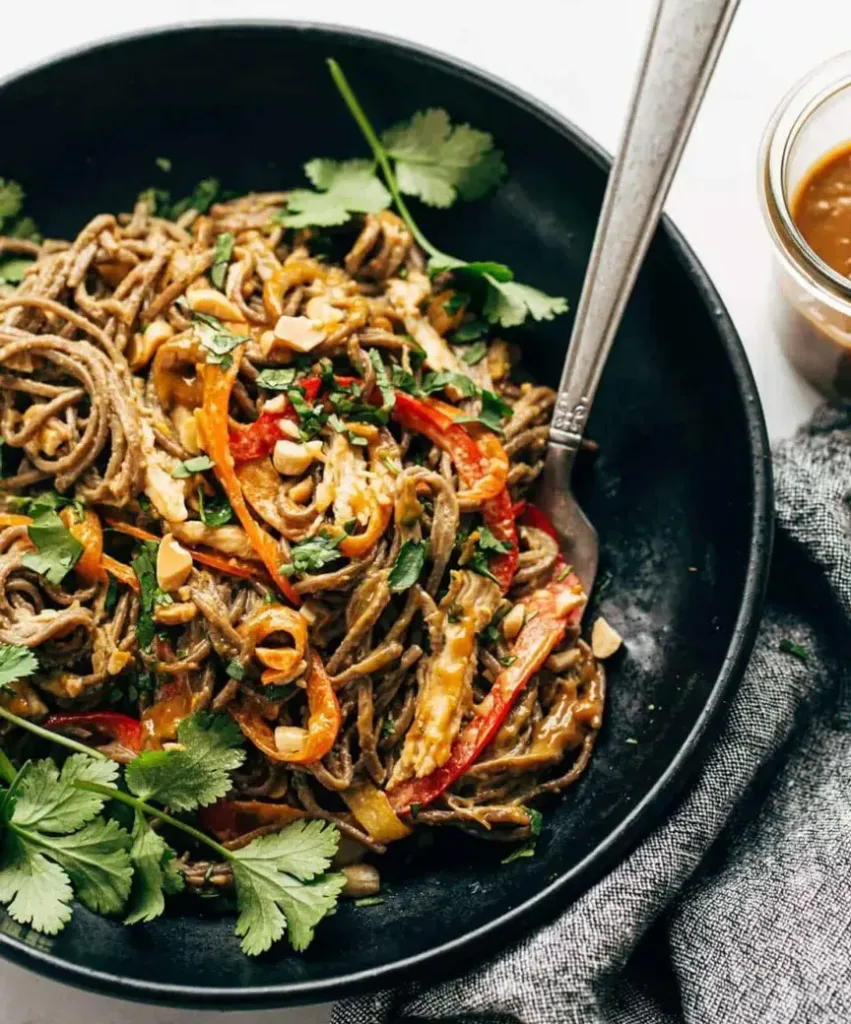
578 56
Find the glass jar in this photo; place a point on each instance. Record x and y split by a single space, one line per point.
813 319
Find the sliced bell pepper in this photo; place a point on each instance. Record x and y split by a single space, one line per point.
122 729
230 819
233 566
213 424
86 529
472 465
549 612
281 663
123 573
372 809
174 702
323 723
12 519
259 438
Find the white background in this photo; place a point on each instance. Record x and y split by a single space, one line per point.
579 56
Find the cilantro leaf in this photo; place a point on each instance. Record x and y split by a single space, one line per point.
47 799
276 379
16 662
446 378
214 511
470 331
97 861
221 257
493 412
280 885
217 340
12 270
437 161
36 891
57 552
154 875
342 189
158 201
388 395
488 542
474 353
315 553
311 418
11 199
508 303
408 566
536 820
187 468
198 774
145 567
201 198
24 227
526 850
53 842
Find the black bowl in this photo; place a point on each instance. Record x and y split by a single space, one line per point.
681 493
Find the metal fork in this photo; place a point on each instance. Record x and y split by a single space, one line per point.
685 40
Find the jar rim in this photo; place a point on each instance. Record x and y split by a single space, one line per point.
792 113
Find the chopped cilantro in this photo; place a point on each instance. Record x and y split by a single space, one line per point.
189 467
408 566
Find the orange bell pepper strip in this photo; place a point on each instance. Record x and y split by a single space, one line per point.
233 566
282 663
123 573
87 531
230 819
12 519
174 702
549 612
323 722
213 425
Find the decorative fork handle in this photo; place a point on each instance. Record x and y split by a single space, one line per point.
686 37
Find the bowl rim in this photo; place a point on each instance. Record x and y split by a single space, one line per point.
647 812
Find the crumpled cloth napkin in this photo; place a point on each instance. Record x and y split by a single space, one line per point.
737 909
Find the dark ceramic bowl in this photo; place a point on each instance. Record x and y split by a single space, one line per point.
680 495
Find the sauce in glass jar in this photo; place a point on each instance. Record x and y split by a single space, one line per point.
805 187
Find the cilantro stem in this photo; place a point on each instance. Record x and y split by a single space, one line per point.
380 154
53 737
154 812
7 769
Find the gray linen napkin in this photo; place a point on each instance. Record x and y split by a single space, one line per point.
737 909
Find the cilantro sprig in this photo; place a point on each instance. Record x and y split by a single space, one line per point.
13 268
341 190
507 302
55 844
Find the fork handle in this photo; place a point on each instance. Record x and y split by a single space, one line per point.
686 37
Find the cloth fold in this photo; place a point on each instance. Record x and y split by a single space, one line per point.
737 909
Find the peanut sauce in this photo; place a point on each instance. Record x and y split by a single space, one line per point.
821 208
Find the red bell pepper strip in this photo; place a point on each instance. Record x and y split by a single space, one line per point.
472 466
549 612
532 516
121 728
258 440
